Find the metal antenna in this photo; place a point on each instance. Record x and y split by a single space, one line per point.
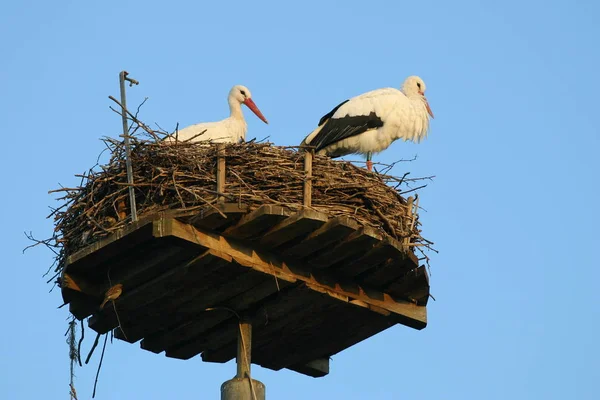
122 78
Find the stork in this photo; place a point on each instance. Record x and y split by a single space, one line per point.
230 130
370 122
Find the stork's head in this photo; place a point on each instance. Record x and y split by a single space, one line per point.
414 86
241 94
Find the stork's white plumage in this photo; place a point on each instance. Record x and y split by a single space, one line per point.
370 122
230 130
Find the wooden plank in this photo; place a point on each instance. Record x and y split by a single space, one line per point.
315 368
414 286
216 337
134 267
81 305
407 313
279 306
169 310
273 316
75 287
388 272
218 217
381 252
337 332
238 303
99 252
359 242
183 266
198 321
298 225
258 221
333 231
220 334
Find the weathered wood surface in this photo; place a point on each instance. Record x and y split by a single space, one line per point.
312 285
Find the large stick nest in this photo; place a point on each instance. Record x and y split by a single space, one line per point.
183 177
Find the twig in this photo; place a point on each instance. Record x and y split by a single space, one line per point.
79 345
99 365
87 360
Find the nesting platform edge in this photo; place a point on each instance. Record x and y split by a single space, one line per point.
313 285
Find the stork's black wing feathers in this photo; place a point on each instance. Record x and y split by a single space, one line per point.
325 117
336 129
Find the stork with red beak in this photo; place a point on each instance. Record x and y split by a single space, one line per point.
371 122
229 130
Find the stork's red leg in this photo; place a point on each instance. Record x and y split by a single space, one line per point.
369 165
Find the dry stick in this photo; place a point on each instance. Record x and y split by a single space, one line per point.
99 365
392 230
119 320
79 345
133 118
87 360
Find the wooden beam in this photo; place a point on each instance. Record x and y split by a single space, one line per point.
407 313
174 307
307 189
359 242
196 327
333 231
184 267
90 256
199 320
381 252
219 216
258 221
413 286
316 368
298 225
389 271
220 172
333 338
270 319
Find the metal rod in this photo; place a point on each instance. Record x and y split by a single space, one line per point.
122 78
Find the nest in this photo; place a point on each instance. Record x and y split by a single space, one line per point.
183 177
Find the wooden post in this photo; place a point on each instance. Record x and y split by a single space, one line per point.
243 387
220 172
409 221
244 349
308 159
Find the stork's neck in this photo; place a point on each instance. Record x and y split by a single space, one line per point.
235 109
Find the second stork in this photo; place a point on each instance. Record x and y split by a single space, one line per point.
370 122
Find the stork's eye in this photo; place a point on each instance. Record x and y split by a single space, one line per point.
244 93
419 85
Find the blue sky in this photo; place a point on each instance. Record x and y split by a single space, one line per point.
513 209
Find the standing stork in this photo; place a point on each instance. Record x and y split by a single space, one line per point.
230 130
370 122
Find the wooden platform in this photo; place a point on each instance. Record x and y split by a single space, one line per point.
311 285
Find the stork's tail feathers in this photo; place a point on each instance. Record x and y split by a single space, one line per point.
308 139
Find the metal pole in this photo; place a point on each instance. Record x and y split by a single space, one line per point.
122 78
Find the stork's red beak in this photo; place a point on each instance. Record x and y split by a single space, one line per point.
427 104
250 104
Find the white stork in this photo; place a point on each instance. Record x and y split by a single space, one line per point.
370 122
229 130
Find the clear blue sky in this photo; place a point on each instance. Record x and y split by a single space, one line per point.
514 208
